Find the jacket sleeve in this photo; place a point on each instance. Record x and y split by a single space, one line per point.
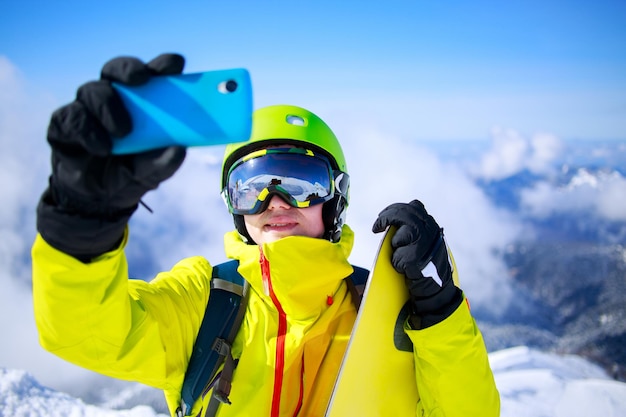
92 315
454 378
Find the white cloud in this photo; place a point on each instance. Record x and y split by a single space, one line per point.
612 199
545 149
507 156
602 194
512 152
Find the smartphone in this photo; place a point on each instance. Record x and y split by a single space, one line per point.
195 109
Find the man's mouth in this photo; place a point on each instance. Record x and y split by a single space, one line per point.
280 226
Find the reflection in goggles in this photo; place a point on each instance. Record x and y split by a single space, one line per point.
297 175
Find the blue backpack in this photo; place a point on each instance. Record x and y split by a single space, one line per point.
221 322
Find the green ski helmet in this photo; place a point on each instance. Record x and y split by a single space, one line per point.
292 125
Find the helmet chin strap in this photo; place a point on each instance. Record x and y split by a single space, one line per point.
240 225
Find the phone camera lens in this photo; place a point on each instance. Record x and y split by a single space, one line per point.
231 86
226 87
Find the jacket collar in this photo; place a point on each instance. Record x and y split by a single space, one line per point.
303 272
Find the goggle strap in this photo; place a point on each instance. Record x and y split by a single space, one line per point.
341 182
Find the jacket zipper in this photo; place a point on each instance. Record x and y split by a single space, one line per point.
280 337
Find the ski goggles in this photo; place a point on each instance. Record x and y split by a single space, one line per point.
299 176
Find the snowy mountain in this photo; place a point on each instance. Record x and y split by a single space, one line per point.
568 270
531 384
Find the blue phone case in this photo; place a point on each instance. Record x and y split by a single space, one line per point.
196 109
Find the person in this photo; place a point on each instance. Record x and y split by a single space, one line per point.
287 189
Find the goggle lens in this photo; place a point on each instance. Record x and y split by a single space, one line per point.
299 176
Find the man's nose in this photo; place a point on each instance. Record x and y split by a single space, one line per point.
278 203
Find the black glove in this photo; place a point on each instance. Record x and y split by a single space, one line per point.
418 241
92 193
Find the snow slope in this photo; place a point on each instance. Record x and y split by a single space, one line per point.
536 384
531 384
22 396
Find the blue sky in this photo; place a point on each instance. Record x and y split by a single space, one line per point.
426 69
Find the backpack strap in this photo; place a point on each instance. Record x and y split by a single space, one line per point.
225 308
356 284
221 388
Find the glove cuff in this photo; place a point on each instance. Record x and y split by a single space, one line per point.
419 321
75 234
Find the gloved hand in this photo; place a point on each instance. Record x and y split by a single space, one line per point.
417 242
92 193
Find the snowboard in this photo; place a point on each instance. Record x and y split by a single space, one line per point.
377 374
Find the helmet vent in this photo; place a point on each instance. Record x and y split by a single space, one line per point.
295 120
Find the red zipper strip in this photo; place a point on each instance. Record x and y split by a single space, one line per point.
280 338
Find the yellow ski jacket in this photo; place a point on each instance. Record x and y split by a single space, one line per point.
290 345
